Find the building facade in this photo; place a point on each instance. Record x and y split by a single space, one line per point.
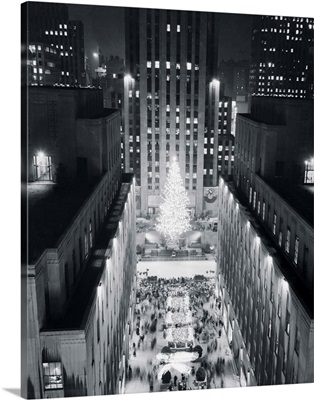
49 27
170 60
234 77
265 245
282 57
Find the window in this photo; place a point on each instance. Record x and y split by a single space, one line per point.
287 248
90 235
287 322
297 341
279 305
250 195
296 250
263 210
258 206
52 375
254 199
276 344
269 328
274 223
85 244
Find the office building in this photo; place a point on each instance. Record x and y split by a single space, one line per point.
282 57
234 77
80 273
265 244
51 32
171 58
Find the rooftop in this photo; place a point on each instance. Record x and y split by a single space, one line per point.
50 211
299 197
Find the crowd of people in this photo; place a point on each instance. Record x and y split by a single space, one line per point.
166 309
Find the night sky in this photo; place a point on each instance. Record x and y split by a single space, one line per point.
104 27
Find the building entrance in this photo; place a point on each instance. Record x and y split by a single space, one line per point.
42 168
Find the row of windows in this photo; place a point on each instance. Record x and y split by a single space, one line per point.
290 247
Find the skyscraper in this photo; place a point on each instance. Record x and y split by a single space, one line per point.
170 60
282 57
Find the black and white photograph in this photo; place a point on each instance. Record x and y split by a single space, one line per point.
167 199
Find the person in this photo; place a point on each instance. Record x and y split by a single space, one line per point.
175 380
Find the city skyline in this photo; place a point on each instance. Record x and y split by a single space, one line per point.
234 39
226 49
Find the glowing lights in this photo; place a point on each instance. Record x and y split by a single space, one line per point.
41 154
248 224
174 216
285 283
128 77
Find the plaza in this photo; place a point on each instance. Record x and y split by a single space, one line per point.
178 330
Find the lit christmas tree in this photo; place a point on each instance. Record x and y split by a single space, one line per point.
174 216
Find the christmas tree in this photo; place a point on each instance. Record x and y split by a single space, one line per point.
174 216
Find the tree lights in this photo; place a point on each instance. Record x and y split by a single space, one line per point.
174 216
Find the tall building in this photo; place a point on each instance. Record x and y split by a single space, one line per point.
80 271
50 32
220 147
171 58
234 77
266 242
282 57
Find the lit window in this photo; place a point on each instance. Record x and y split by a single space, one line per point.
188 120
205 151
274 223
212 140
62 72
296 250
39 47
35 70
178 28
149 64
137 93
168 27
189 66
250 195
40 70
137 138
177 66
205 171
287 248
52 375
211 172
205 140
65 27
156 64
211 151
